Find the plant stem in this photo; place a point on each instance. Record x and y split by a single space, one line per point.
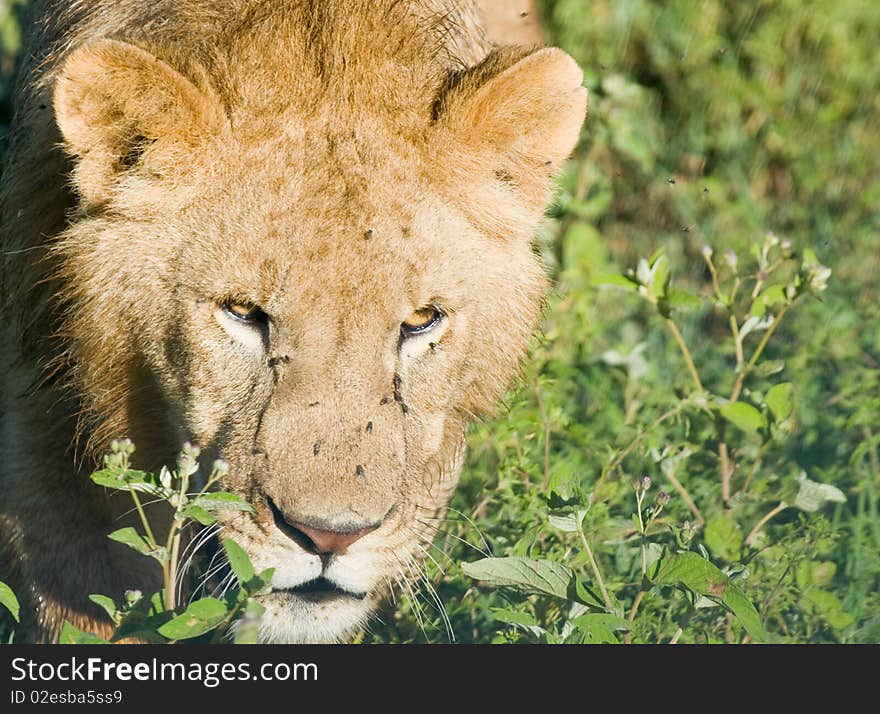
173 546
873 457
734 290
741 377
220 630
714 273
741 372
640 595
676 484
547 432
757 290
639 496
618 460
755 468
143 517
726 467
166 579
684 622
171 588
600 581
689 361
737 341
723 452
168 571
766 605
763 522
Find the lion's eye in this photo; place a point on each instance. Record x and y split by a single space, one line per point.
422 321
245 312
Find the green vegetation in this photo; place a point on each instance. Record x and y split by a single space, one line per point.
10 46
714 126
161 617
694 452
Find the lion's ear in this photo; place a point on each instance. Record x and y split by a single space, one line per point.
520 111
121 108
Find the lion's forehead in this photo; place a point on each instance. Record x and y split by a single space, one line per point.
314 233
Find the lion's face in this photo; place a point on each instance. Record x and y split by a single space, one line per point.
322 301
330 345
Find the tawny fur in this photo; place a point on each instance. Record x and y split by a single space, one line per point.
341 164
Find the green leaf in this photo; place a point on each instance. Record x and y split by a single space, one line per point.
754 324
653 553
772 296
692 571
743 415
769 368
9 601
809 257
166 478
199 514
247 630
133 539
522 620
221 501
109 479
813 495
823 573
142 632
653 277
591 210
723 538
601 619
598 628
702 577
200 617
124 480
742 608
106 604
681 300
828 606
569 522
566 497
71 635
524 574
144 618
780 401
598 635
238 561
579 592
615 280
511 617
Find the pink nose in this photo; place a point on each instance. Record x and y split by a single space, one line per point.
327 542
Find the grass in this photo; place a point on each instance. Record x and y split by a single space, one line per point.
716 130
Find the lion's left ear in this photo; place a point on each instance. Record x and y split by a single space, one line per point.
120 107
518 113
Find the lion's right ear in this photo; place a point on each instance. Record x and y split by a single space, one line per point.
121 109
517 115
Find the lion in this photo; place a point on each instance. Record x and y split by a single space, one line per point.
297 233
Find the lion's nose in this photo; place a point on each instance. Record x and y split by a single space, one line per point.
318 537
328 542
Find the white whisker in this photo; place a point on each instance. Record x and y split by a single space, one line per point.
196 543
479 550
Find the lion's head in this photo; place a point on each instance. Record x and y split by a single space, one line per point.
318 273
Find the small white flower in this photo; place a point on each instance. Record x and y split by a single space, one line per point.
731 258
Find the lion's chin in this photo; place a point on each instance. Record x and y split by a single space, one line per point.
313 618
